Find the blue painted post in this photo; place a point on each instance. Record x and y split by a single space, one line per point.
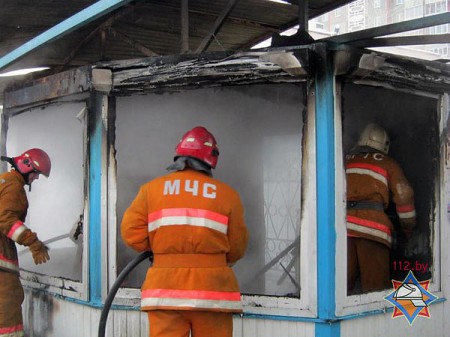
95 191
326 232
78 20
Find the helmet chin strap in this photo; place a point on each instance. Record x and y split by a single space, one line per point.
26 177
27 181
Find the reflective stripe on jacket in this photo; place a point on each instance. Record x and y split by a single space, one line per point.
13 331
13 210
371 176
194 225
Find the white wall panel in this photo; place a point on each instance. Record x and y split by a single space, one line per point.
272 328
384 325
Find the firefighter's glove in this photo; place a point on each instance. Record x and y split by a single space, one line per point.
39 251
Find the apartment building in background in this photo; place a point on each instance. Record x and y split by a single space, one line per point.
364 14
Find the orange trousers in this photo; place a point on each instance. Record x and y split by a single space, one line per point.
11 298
179 323
370 261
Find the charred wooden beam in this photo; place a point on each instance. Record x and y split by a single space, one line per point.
135 44
399 72
184 26
75 50
216 27
102 48
67 83
100 28
189 71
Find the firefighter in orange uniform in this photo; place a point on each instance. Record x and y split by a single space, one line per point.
372 176
194 225
13 209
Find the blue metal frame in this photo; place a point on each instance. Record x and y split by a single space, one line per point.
326 232
80 19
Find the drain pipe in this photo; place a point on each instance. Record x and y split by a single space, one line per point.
115 287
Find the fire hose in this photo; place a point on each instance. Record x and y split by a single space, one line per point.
115 287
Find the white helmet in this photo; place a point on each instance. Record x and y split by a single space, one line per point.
375 137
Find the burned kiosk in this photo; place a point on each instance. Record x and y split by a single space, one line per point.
284 118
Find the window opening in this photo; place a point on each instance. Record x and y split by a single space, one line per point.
412 124
259 131
56 204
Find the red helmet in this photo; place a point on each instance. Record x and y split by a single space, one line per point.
199 143
33 160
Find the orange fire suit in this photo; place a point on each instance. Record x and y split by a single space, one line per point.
194 225
371 177
13 210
